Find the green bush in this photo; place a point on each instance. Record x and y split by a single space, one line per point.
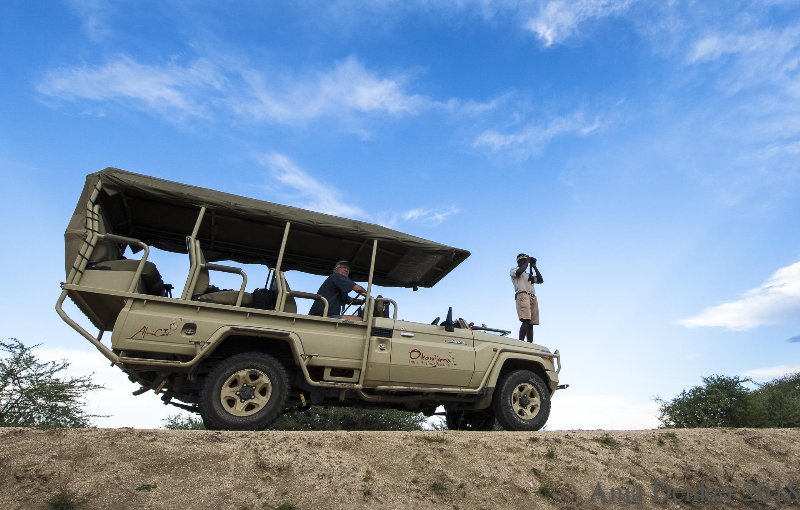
777 403
724 401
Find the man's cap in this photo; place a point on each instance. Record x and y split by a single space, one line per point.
342 263
522 256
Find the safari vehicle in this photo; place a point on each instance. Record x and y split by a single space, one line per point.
240 359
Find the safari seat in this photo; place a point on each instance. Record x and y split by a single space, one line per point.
199 286
290 304
108 269
221 297
151 279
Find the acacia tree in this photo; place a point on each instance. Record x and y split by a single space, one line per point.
36 394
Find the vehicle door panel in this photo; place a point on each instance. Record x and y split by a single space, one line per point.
427 354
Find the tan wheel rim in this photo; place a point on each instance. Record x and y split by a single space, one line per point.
246 392
526 401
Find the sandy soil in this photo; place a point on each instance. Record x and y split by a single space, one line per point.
161 469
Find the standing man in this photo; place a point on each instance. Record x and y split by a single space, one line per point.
335 289
527 306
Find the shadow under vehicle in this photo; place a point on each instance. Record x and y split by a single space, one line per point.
240 359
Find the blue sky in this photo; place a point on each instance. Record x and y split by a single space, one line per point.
646 152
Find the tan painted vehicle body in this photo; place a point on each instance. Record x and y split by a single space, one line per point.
241 364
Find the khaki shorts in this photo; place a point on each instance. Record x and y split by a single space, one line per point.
527 307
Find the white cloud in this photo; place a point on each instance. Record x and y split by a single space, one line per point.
607 412
772 372
168 90
776 300
768 56
553 21
714 46
430 217
532 139
558 20
347 88
304 190
203 88
94 17
308 192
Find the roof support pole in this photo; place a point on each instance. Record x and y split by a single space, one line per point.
194 267
199 221
368 315
280 281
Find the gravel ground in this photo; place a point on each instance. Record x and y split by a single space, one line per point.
166 470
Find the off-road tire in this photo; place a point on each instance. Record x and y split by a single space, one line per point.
470 420
247 391
521 401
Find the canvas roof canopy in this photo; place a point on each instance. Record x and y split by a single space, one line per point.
163 213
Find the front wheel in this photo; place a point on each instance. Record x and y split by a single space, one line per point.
521 401
244 392
470 420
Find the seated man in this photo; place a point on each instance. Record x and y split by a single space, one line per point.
335 289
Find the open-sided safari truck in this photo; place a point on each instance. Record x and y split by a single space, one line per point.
240 358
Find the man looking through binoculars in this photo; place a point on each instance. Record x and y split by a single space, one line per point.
527 306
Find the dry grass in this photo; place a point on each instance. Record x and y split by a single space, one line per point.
164 470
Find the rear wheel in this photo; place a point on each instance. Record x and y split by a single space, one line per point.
470 420
244 392
521 401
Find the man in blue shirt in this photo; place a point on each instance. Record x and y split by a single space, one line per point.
335 289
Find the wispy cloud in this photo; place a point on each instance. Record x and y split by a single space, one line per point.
425 216
776 300
753 65
306 191
345 89
761 56
716 45
300 188
553 21
531 140
557 20
167 90
772 372
204 88
431 217
94 17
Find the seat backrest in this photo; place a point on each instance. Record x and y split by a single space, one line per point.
104 250
290 305
197 280
202 283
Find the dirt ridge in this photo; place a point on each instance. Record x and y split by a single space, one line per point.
164 469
